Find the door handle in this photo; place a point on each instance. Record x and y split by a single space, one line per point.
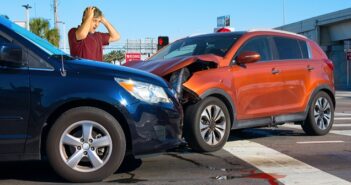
310 68
275 71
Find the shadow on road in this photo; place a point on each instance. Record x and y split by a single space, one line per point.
41 171
255 133
38 171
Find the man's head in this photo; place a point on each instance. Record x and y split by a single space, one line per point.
96 19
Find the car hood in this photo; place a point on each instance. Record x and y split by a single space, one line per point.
101 68
167 66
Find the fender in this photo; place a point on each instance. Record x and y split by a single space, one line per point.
225 97
322 87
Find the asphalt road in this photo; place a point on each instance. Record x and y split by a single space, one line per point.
283 155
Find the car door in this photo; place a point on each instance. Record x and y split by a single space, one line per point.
14 99
292 59
257 85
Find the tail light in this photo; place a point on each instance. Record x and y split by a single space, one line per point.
329 64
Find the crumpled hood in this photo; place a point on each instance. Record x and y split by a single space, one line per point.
166 66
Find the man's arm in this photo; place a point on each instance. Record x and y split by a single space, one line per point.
83 31
114 35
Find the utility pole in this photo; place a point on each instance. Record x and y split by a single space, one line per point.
27 7
56 19
283 12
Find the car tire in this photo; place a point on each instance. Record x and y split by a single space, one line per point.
86 144
320 116
202 132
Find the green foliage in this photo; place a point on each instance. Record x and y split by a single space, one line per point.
115 55
41 27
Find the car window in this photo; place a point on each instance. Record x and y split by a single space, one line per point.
259 45
304 49
185 50
36 62
287 48
3 40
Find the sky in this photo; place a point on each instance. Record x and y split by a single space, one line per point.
138 19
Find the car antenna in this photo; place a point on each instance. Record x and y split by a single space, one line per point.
62 69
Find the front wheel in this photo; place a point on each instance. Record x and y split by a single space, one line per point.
86 144
320 116
207 125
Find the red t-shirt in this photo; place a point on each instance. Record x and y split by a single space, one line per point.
90 47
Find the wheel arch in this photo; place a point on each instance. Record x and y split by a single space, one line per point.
225 98
323 88
79 103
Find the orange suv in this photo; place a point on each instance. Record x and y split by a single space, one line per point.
246 79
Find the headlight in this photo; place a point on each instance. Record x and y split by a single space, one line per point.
144 91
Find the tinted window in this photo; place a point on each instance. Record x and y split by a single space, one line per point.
36 62
259 45
3 40
287 48
304 50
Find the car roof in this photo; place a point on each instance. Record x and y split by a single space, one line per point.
235 33
240 33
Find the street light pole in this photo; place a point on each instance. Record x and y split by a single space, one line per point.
283 12
27 7
64 34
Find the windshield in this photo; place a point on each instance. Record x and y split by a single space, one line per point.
31 37
217 44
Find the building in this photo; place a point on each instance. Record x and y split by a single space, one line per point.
332 32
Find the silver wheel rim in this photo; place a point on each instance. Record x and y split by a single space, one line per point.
322 113
212 125
85 146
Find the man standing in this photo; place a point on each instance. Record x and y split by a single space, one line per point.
85 42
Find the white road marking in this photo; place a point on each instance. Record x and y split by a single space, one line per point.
338 132
318 142
343 118
273 162
336 114
341 132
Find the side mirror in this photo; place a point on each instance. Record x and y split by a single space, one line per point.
248 57
10 55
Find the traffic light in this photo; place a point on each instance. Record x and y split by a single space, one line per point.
162 41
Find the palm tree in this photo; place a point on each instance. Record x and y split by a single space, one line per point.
41 27
113 56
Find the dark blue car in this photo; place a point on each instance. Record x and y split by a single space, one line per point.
85 116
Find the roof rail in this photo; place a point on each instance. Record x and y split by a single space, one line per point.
278 31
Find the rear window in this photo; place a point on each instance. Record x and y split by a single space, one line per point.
304 49
290 48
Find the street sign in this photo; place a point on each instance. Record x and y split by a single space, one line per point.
348 55
133 56
223 21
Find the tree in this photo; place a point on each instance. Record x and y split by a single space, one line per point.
41 27
115 55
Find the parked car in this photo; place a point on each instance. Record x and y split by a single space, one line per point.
85 116
247 79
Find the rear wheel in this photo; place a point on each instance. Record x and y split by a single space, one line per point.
86 144
320 116
207 125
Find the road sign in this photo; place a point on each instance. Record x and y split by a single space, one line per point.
348 55
133 56
223 21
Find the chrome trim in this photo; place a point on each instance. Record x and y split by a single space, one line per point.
278 31
41 69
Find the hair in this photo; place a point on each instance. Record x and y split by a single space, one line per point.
97 12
